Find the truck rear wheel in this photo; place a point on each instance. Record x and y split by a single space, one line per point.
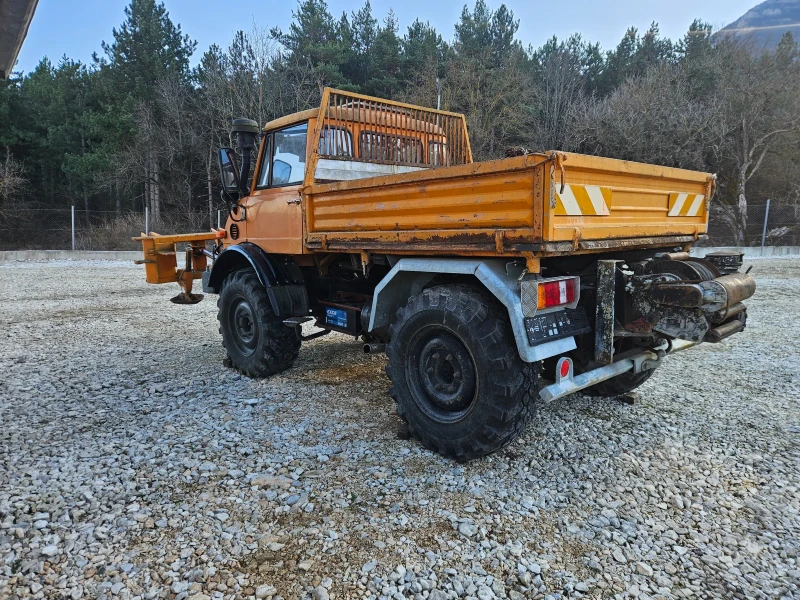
456 374
257 341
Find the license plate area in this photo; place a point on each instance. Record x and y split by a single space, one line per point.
336 317
556 325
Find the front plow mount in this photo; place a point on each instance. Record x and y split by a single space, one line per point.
161 260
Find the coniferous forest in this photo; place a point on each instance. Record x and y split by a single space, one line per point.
139 125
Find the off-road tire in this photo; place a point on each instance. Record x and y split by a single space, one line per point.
619 385
257 341
479 412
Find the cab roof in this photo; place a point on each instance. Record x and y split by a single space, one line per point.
298 117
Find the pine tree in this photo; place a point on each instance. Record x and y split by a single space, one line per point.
386 76
314 42
147 48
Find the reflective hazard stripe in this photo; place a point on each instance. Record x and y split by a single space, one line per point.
686 205
582 200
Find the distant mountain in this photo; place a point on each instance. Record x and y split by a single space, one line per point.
765 24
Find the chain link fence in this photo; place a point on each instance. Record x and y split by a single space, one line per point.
55 229
72 229
770 224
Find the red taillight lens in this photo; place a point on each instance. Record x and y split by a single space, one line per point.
553 293
557 293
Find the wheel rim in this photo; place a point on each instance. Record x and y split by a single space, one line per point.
441 374
243 326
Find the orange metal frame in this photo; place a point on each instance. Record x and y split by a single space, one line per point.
161 260
388 118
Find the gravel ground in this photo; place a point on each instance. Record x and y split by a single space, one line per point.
133 465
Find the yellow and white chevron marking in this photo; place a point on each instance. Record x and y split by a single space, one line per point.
583 200
686 205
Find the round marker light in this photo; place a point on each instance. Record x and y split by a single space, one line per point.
565 368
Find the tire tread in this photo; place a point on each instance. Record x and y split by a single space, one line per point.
281 345
513 384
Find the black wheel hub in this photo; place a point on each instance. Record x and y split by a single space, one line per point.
243 326
444 372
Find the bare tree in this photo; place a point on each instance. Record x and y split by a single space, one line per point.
758 97
559 88
495 100
651 119
12 177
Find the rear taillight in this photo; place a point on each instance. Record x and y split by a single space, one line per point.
557 293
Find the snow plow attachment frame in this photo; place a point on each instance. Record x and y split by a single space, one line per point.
161 260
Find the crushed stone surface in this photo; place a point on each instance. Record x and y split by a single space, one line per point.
134 465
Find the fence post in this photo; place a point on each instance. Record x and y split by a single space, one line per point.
766 218
73 228
146 220
219 218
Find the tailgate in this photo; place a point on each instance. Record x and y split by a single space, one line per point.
603 198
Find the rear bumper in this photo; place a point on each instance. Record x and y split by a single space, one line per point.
645 360
569 384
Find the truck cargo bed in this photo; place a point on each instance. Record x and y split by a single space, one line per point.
542 203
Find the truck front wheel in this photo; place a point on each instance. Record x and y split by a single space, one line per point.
456 375
257 341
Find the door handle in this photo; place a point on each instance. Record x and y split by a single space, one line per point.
295 201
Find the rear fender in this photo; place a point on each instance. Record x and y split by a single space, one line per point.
280 276
410 275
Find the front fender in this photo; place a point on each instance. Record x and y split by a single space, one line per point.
280 276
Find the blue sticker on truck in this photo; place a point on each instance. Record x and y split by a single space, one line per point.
336 317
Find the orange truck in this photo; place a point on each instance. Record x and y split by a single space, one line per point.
493 287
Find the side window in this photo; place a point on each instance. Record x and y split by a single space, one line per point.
263 178
336 141
287 157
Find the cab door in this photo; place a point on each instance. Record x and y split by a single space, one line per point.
274 209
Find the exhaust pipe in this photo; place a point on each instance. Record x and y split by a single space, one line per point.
246 131
718 334
727 313
676 256
737 286
374 348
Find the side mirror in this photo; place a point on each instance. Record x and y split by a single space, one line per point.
229 171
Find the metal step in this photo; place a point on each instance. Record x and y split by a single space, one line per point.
297 321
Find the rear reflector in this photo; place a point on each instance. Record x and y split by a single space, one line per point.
557 293
564 368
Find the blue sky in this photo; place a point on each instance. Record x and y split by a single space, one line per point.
76 29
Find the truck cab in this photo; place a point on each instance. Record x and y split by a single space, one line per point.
358 140
274 215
